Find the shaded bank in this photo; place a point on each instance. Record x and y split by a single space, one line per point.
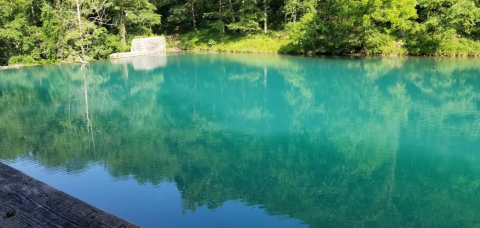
283 42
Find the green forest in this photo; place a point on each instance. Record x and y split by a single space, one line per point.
51 31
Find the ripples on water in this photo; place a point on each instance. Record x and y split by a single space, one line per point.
221 140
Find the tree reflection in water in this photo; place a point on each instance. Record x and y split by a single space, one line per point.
334 142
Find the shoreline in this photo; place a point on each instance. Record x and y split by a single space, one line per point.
325 54
16 66
178 51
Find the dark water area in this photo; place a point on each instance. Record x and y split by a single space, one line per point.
240 140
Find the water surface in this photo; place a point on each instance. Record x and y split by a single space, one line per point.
237 140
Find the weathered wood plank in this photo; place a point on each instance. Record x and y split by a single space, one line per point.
26 202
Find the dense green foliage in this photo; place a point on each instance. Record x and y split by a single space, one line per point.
68 30
364 159
387 27
49 31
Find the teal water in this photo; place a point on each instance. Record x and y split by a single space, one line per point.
238 140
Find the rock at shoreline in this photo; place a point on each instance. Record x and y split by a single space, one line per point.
11 67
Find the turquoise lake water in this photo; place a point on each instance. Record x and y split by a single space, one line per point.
248 140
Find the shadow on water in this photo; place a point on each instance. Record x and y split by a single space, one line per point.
334 142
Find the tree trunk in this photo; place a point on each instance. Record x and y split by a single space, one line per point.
295 12
80 30
220 8
193 16
123 27
33 14
233 15
438 45
79 17
231 10
265 29
242 19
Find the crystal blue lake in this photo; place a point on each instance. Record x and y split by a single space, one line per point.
251 140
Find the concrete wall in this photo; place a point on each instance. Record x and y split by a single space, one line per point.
151 44
143 46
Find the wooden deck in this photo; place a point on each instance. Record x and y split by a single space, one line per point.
26 202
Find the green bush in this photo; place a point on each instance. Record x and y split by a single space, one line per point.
170 43
303 35
379 43
454 46
22 60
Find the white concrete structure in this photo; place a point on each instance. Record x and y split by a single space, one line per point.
142 47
